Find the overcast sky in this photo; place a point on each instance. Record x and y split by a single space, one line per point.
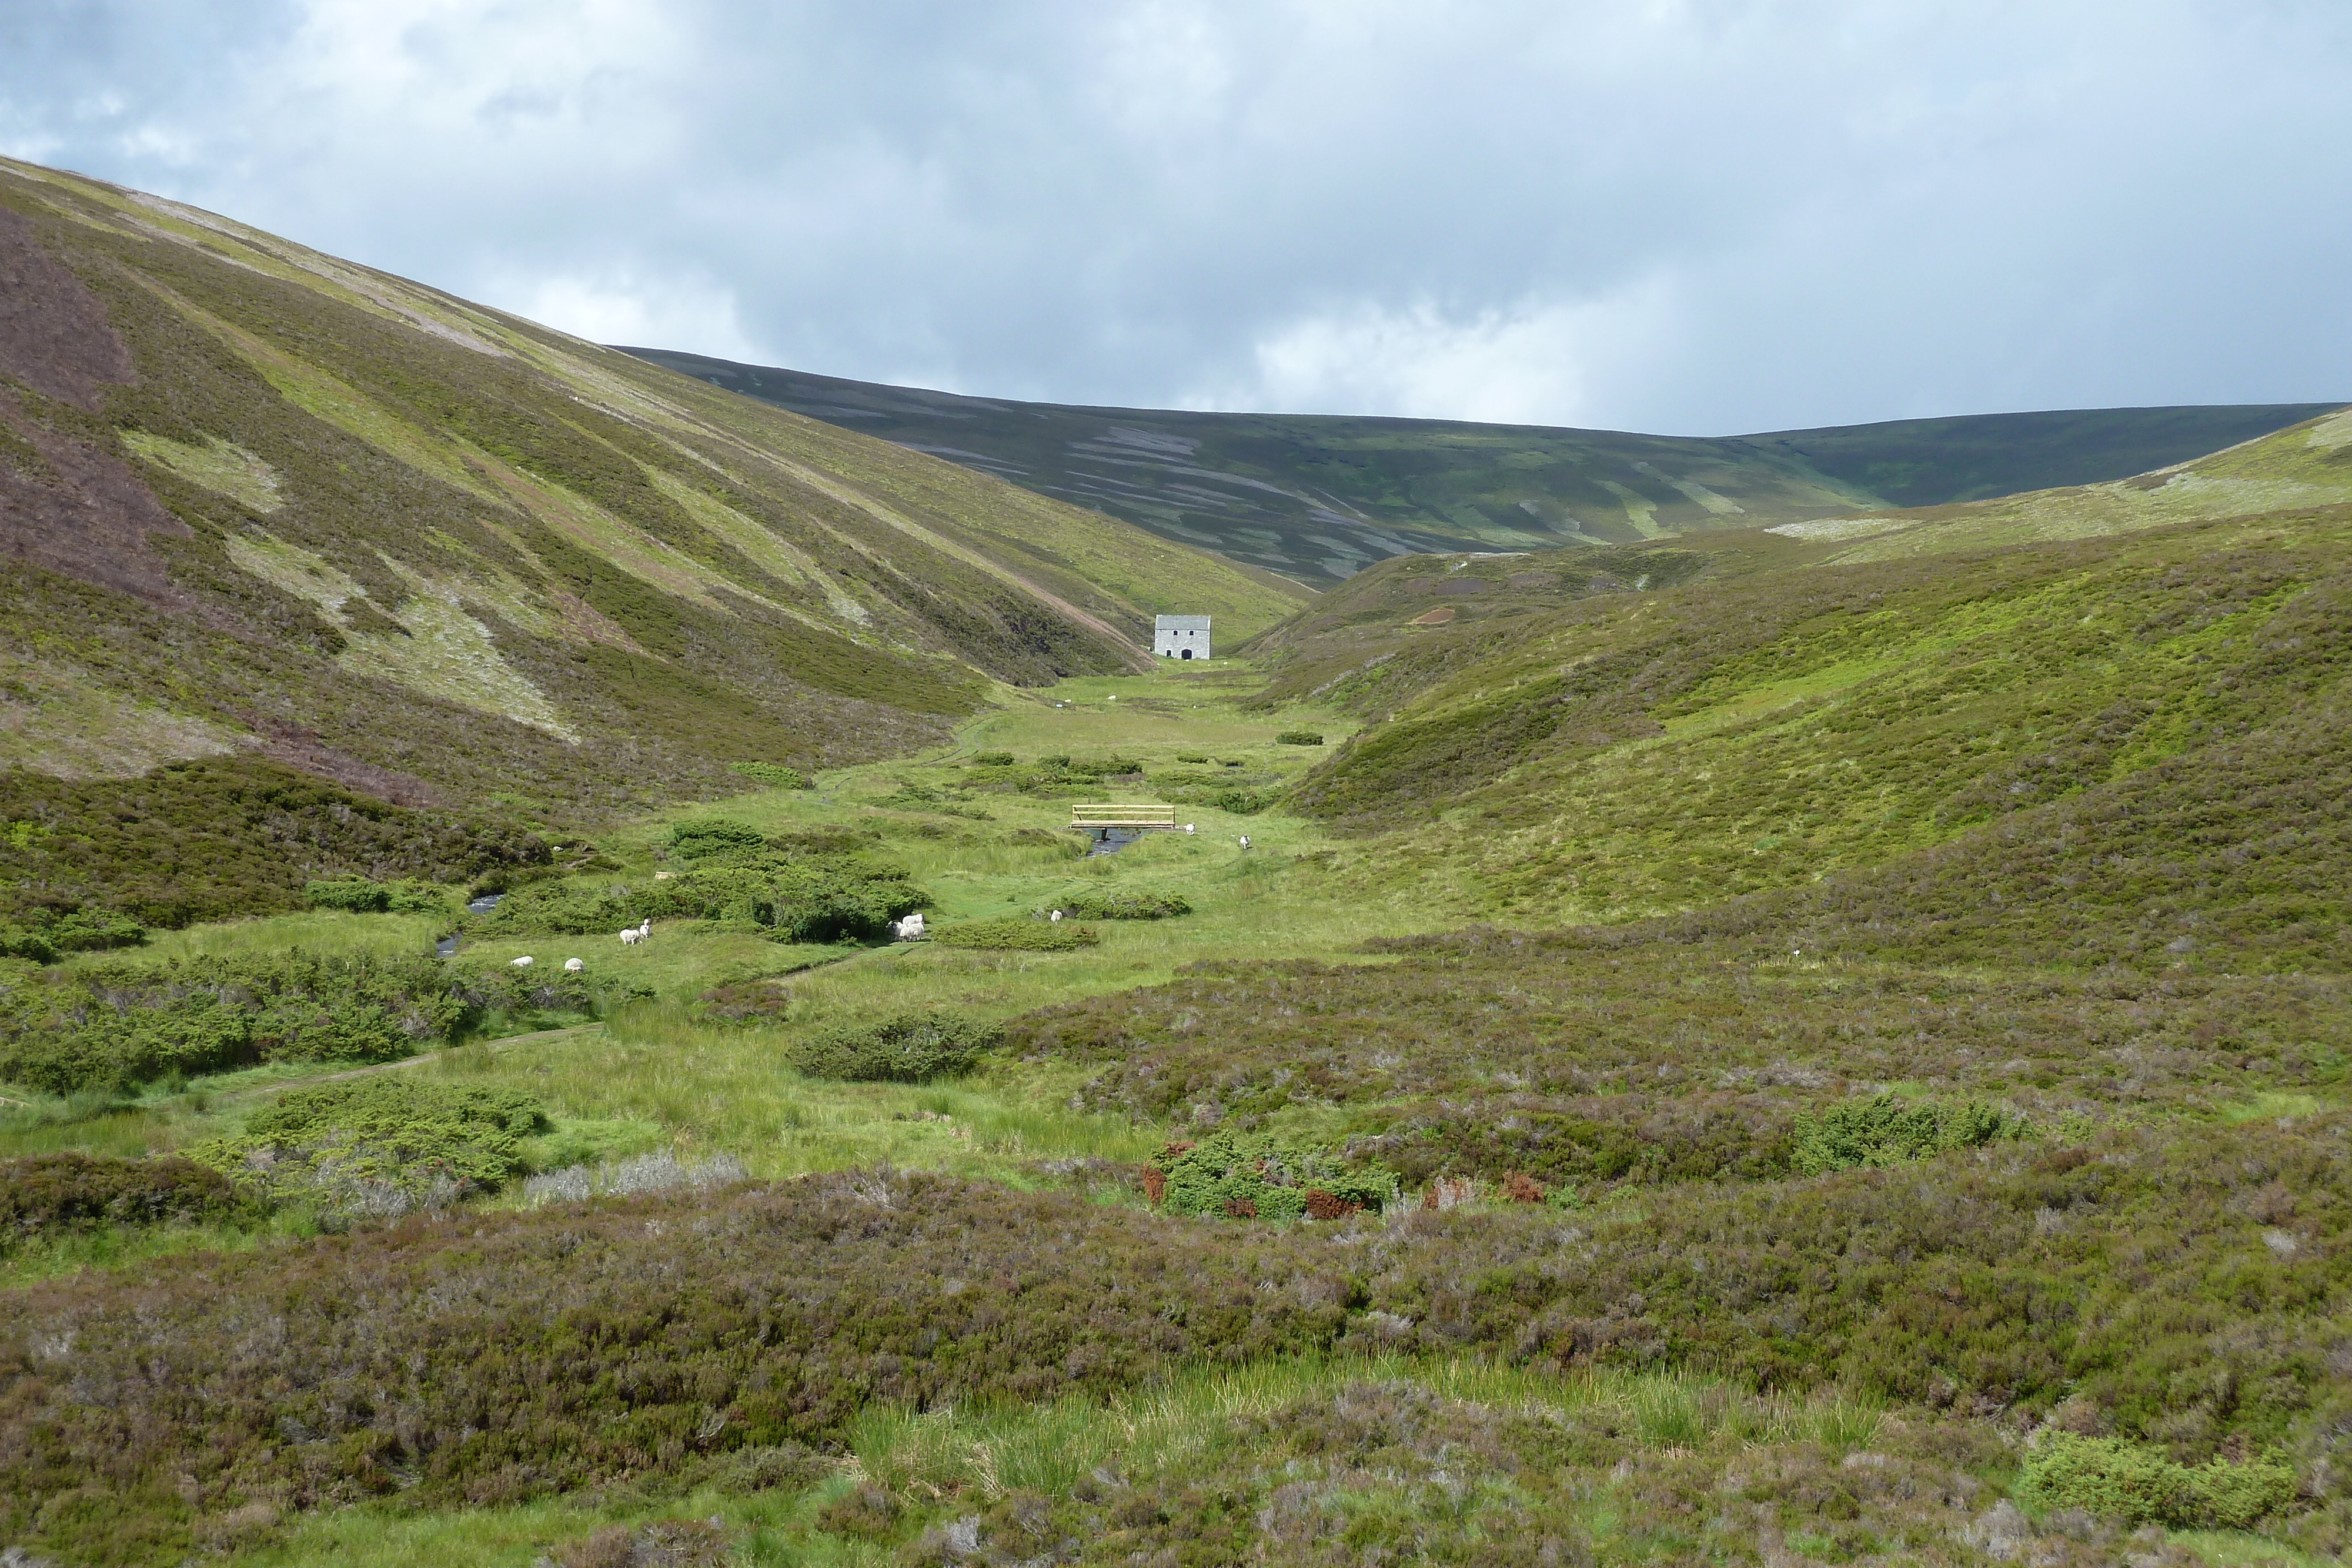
1697 217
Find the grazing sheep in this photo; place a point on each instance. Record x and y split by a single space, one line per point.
1187 827
910 929
631 936
573 966
646 929
1244 841
1056 918
521 963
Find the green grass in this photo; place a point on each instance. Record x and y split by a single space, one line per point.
327 932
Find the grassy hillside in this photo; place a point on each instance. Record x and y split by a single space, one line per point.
258 499
1317 498
1764 1047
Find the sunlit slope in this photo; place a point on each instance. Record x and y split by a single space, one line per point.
1637 753
1319 497
257 497
2305 465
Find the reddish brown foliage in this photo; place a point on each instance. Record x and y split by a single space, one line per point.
1521 1187
1155 1184
1241 1209
1321 1205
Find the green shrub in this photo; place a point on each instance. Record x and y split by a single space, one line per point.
47 1193
1886 1131
904 1048
992 759
814 898
1055 764
713 836
1018 936
1299 738
1238 1177
2121 1480
27 942
115 1024
1099 767
1192 757
356 896
380 1144
774 776
1124 906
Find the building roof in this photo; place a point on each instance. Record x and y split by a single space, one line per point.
1180 624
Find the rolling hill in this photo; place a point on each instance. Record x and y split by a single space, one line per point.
1318 498
257 500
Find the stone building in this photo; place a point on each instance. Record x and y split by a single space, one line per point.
1180 637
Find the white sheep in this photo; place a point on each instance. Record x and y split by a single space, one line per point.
521 963
1244 841
646 929
1187 827
631 936
1056 918
573 966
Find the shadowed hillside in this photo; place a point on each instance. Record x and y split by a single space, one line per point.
1317 497
253 498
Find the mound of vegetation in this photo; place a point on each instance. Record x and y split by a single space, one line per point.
2143 1485
1886 1131
906 1048
208 841
1299 738
113 1025
1016 936
47 1195
379 1145
1091 904
43 934
819 889
1243 1178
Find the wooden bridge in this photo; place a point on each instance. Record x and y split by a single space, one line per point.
1132 818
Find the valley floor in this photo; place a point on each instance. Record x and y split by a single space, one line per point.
1705 1340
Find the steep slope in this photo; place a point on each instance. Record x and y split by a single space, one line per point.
253 498
1319 497
1769 724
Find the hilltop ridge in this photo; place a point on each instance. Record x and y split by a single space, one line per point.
1318 498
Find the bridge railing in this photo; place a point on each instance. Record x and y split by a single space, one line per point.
1116 816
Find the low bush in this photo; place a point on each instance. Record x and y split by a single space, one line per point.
1018 936
905 1048
774 776
115 1024
1299 738
699 841
47 1193
383 1144
2119 1480
1192 757
1238 1177
1125 906
112 1025
1106 766
790 898
992 759
1886 1131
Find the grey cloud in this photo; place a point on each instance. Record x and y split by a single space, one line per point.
1703 216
